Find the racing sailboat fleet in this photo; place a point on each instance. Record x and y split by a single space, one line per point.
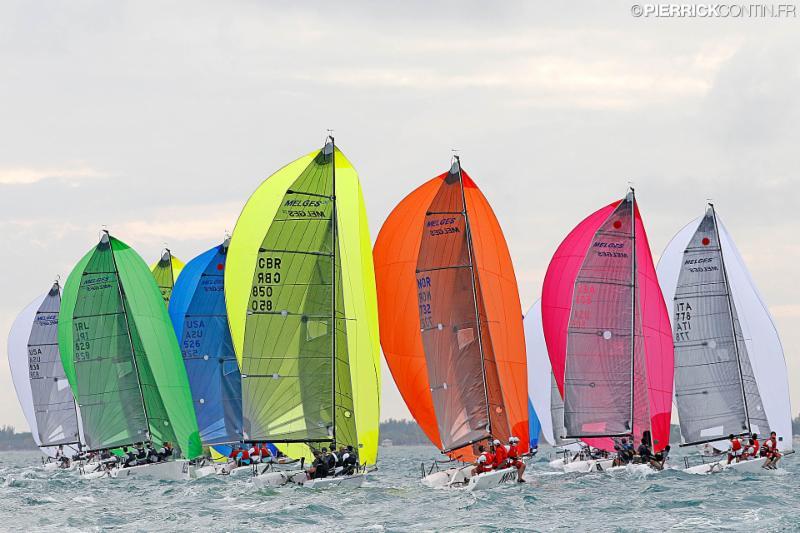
271 340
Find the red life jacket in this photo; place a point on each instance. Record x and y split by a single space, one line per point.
233 453
265 452
500 455
513 453
756 446
245 454
736 445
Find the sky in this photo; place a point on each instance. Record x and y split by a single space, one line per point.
157 120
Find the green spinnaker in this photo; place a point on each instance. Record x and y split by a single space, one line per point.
121 356
280 304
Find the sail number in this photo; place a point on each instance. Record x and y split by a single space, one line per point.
82 342
424 302
683 321
268 275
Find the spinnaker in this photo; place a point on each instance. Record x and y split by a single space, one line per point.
166 272
197 310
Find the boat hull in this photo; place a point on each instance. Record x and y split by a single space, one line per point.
170 470
752 466
462 478
585 467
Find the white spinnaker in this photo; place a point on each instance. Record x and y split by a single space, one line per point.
539 370
18 361
760 333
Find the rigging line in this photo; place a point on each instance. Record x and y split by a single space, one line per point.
633 308
730 311
130 338
470 256
334 246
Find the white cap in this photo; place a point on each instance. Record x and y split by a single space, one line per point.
513 439
482 459
495 442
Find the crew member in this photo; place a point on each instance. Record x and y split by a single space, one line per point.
484 462
514 458
736 449
500 455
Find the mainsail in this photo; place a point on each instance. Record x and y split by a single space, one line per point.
120 354
197 310
449 314
299 286
166 272
730 373
38 375
607 330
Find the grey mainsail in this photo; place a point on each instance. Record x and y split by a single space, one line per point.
715 389
54 405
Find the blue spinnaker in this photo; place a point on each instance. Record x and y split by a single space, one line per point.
197 310
534 426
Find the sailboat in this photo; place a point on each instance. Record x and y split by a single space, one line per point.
451 327
730 371
544 395
608 334
300 295
197 311
122 360
166 271
41 385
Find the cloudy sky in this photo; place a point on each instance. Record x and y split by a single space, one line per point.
158 119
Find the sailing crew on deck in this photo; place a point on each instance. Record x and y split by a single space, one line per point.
514 459
644 452
659 459
736 449
243 457
255 453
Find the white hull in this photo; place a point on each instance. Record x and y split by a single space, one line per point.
461 478
557 464
170 470
198 472
752 466
279 479
591 465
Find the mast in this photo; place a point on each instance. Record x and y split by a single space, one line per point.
333 286
730 315
470 253
633 303
171 272
107 238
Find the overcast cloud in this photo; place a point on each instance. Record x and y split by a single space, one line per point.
158 119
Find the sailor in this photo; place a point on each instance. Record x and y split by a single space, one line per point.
266 455
773 455
644 452
353 454
500 455
624 452
349 461
319 468
658 460
63 460
128 458
484 462
756 445
152 454
330 459
514 458
255 453
165 452
141 454
243 457
736 449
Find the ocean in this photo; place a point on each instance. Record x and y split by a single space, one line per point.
394 500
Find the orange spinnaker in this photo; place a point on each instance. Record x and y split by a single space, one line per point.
395 256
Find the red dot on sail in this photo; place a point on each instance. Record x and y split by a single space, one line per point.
220 266
706 241
617 224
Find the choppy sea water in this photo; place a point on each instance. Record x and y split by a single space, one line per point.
394 500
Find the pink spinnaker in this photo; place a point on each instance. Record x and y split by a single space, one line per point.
557 298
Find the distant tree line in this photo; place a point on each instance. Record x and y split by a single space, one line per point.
10 440
403 432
